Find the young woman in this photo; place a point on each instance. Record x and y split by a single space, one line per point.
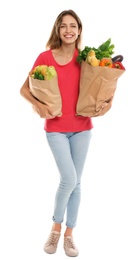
69 135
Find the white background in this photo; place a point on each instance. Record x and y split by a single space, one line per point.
28 174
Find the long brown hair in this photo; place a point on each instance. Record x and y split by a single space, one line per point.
54 41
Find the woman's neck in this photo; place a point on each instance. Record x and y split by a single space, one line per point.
63 55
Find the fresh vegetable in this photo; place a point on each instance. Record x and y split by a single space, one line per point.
107 62
106 49
91 58
118 65
43 72
117 58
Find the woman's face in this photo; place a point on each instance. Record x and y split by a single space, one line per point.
69 30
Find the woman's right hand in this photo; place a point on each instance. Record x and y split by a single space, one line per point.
44 111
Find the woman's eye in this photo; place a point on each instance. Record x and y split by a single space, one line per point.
73 26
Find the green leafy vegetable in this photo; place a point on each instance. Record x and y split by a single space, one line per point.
105 50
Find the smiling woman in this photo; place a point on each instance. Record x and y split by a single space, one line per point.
68 135
28 174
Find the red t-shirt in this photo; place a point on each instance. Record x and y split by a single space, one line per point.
68 81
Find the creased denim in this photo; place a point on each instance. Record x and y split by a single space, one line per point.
70 151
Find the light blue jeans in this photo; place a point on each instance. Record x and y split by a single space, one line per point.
70 151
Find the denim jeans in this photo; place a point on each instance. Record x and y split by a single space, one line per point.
70 151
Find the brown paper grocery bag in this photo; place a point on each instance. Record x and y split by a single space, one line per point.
47 92
97 88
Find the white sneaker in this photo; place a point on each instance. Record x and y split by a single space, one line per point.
50 246
69 247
